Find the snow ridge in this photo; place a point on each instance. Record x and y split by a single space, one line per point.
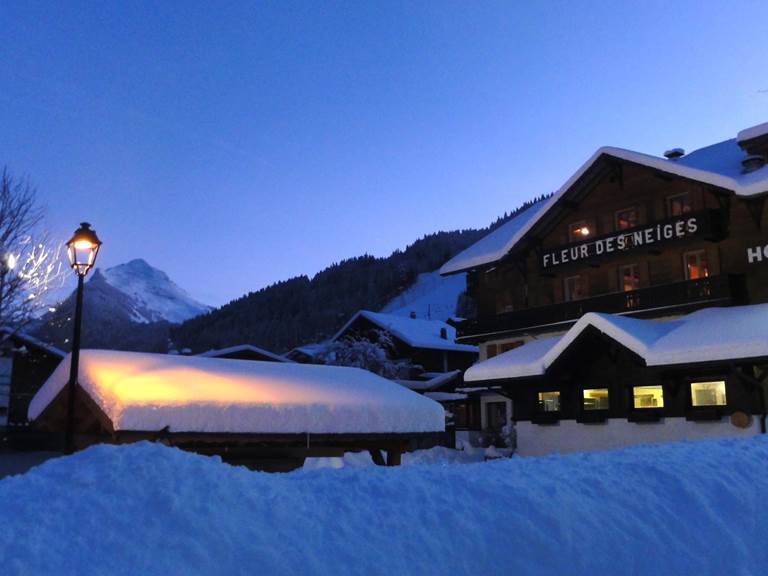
155 296
686 508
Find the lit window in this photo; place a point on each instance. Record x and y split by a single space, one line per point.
626 218
708 393
696 265
549 401
579 231
679 204
596 399
629 278
648 396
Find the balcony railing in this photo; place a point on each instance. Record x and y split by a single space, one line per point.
724 289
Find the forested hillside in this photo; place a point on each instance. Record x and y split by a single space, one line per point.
303 310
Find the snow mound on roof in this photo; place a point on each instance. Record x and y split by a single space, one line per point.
191 393
688 508
710 334
752 132
496 244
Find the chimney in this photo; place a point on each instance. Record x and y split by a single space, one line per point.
674 153
444 333
752 162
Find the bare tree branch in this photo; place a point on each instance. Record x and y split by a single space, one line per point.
30 264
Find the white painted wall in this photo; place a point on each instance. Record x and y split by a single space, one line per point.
572 436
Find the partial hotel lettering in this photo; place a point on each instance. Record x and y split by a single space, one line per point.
757 254
620 242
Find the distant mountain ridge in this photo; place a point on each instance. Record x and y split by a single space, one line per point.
155 296
127 307
305 310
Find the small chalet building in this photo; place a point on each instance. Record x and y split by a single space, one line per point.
427 343
25 364
266 415
629 306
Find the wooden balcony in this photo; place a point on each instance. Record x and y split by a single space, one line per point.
721 290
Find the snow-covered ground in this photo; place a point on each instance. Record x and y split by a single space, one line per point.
690 508
432 297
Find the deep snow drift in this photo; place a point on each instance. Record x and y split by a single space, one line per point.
692 508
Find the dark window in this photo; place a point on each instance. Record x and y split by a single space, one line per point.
491 350
574 288
507 346
460 414
495 416
629 278
626 218
679 204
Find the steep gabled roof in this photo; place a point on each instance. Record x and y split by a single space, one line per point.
496 244
244 348
711 334
415 332
718 165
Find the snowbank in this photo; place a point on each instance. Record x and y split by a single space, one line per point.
694 508
191 393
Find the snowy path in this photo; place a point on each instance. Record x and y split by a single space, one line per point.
694 508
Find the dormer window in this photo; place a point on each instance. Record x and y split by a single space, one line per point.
579 231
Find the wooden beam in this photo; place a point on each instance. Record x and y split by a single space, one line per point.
394 456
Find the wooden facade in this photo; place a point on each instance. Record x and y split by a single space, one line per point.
709 266
630 239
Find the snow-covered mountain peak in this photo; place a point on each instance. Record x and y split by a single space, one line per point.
155 296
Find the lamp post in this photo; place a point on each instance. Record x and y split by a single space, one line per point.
82 250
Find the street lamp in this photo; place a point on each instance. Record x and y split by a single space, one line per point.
82 250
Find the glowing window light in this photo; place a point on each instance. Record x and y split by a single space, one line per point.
648 397
708 393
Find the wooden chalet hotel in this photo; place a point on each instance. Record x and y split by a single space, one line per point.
631 306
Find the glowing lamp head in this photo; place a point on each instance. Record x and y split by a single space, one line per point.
584 231
82 249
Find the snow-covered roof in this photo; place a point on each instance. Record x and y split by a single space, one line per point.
149 392
753 132
31 340
494 245
415 332
244 348
711 334
718 165
434 382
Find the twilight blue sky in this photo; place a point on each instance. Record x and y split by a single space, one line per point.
236 144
